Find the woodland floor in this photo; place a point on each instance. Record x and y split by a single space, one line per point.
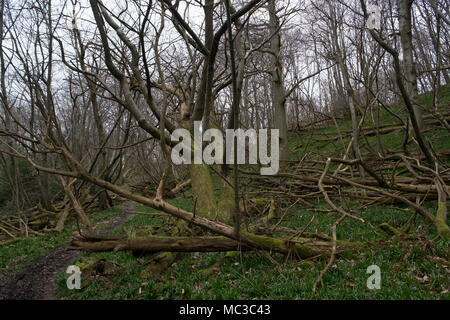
36 281
409 269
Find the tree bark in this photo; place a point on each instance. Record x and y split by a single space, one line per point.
278 92
409 68
76 205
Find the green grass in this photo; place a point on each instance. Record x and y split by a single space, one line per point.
252 275
311 140
409 269
15 256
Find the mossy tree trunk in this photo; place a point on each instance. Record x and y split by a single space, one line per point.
205 204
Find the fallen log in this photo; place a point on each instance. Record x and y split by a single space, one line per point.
255 241
159 214
161 244
303 248
332 181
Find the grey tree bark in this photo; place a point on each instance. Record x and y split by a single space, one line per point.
278 92
409 68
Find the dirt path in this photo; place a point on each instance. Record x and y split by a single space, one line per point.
36 281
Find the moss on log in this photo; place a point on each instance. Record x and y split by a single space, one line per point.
160 243
302 248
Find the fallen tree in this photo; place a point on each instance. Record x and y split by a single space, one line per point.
302 248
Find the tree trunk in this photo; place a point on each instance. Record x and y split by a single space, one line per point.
161 244
76 205
278 91
340 56
409 68
302 248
